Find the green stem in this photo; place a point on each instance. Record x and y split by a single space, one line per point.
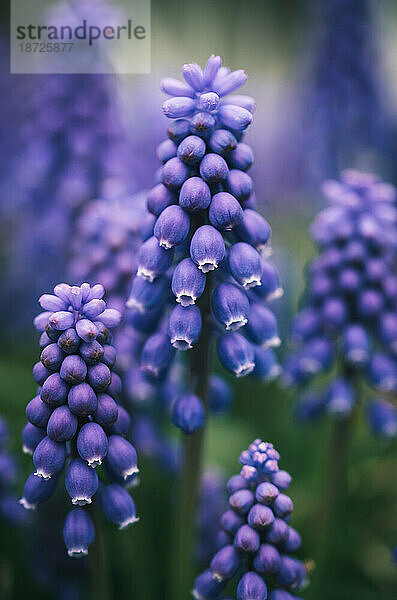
183 571
100 582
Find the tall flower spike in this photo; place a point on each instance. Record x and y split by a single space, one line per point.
203 218
255 541
351 300
73 416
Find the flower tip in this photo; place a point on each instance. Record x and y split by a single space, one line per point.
130 521
27 505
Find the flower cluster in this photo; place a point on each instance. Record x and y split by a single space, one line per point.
256 541
204 243
10 509
349 319
74 419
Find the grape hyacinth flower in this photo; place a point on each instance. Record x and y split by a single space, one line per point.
203 258
256 542
349 318
73 419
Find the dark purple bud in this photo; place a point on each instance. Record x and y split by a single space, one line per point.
251 587
82 400
225 211
78 533
254 229
178 130
184 326
49 458
86 330
234 117
103 335
109 356
121 457
191 150
242 501
69 341
92 352
81 482
206 587
262 326
225 563
62 425
188 282
293 543
52 357
115 386
107 410
247 539
267 560
283 506
61 320
195 194
202 124
245 265
145 295
118 505
172 227
260 516
52 332
37 490
282 479
207 248
40 373
99 377
38 413
241 158
73 369
159 198
122 425
266 493
153 259
236 354
223 141
92 444
175 172
166 150
270 288
230 306
54 391
277 532
240 185
292 572
31 437
231 522
44 340
188 413
213 168
236 483
156 355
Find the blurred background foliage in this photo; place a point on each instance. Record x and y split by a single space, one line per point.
306 128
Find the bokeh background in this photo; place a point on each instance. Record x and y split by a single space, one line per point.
324 74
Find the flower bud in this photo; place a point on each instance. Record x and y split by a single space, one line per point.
172 227
184 326
178 106
107 411
92 352
266 493
62 424
267 560
225 211
166 150
175 172
188 282
370 304
220 395
122 424
92 444
31 437
240 185
52 357
78 532
191 150
41 320
178 130
251 587
208 102
293 543
241 158
270 288
115 386
145 295
277 532
146 226
82 400
188 413
38 412
52 303
236 354
262 326
225 563
292 572
153 259
207 248
282 479
202 124
242 501
230 306
245 265
121 457
37 490
54 391
110 317
81 482
118 505
260 517
382 418
382 372
61 320
231 522
213 168
388 330
159 198
195 194
211 69
156 355
254 230
73 369
86 330
234 117
340 397
223 142
207 587
174 87
99 377
49 458
283 506
247 539
40 373
69 341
